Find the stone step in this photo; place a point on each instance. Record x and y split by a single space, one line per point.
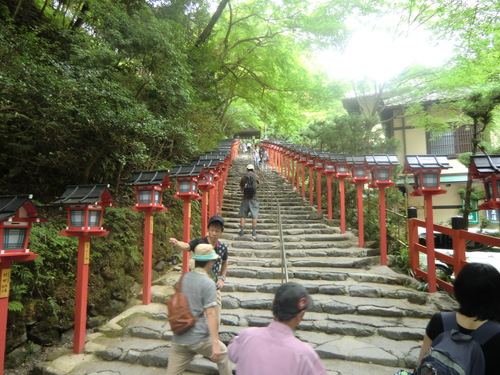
313 238
274 252
317 263
338 304
338 337
349 287
361 275
272 224
292 232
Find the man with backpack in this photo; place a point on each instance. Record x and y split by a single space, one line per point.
203 337
249 204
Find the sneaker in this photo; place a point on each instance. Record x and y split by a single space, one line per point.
254 232
241 232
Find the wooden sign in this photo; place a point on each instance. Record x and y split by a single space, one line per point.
86 258
5 283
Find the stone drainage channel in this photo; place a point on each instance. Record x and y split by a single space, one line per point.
367 318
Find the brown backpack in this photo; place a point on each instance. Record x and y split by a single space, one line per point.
179 315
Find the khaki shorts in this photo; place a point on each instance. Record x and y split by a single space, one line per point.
249 206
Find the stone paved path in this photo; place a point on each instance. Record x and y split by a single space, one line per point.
367 318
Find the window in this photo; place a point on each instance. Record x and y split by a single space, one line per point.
14 238
451 142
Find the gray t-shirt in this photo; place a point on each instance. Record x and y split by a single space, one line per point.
200 293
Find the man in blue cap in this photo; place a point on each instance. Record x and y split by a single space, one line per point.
219 268
203 337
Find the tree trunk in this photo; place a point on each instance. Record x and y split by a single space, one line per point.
468 187
215 17
17 9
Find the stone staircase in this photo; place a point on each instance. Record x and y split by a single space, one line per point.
366 317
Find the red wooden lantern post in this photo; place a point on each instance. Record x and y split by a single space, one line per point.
149 195
381 168
329 171
302 160
295 158
360 176
213 161
290 166
319 167
222 183
341 174
310 165
187 190
487 169
17 215
85 206
426 170
278 158
212 205
206 183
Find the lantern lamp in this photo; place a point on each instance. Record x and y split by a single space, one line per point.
341 167
187 181
319 162
17 213
85 205
426 170
329 165
149 188
359 170
487 169
380 167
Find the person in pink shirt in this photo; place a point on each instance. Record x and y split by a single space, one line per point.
274 350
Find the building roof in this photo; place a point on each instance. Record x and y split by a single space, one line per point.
355 159
86 194
10 204
149 178
186 171
248 132
425 162
381 160
484 164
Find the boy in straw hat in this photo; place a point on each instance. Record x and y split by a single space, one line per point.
203 337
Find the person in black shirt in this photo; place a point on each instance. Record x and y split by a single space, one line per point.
219 268
477 290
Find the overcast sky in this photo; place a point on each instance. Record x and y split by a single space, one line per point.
375 52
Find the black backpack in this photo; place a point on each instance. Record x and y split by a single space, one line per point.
456 353
249 189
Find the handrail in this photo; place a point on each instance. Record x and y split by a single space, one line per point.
284 268
457 259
